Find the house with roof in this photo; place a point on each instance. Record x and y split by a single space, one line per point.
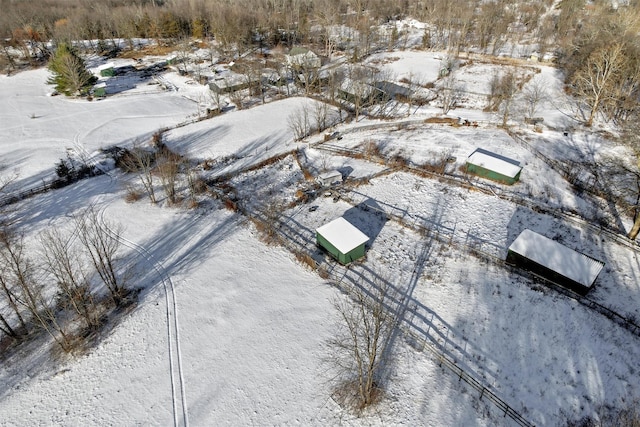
342 240
554 261
302 58
229 82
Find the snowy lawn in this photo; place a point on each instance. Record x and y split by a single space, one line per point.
252 322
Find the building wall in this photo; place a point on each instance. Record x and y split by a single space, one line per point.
492 175
551 275
334 252
354 254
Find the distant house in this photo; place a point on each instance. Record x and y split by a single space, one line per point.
493 166
342 240
300 57
232 82
328 178
554 261
393 90
356 91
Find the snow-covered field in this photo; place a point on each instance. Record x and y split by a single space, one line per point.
252 323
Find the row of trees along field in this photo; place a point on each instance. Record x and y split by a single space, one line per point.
460 25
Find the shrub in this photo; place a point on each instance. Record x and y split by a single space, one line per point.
132 195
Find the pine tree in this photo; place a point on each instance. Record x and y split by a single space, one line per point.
70 75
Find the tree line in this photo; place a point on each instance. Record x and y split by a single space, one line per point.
66 285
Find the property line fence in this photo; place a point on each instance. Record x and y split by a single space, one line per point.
475 246
421 343
488 188
297 243
15 197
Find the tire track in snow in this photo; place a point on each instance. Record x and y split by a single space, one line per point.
173 329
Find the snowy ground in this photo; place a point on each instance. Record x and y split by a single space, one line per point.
252 322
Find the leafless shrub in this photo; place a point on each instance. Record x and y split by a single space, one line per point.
132 194
359 353
438 163
371 149
323 272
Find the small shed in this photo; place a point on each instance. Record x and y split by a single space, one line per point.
329 178
342 240
100 90
554 261
494 166
107 70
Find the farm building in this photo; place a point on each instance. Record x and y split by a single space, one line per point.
342 240
100 90
328 178
554 261
107 70
494 166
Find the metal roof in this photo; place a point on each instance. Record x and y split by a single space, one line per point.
342 234
557 257
495 162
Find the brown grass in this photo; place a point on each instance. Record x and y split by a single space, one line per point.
231 205
443 120
323 272
151 50
132 195
305 259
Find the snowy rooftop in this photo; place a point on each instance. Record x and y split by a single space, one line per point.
495 162
343 235
551 254
330 174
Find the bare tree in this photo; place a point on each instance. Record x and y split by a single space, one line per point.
533 94
101 239
449 93
359 352
298 122
597 79
8 295
19 273
64 262
321 115
503 88
142 162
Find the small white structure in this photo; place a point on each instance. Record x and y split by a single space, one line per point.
329 178
342 240
554 261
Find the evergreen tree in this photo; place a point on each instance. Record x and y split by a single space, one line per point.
70 75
